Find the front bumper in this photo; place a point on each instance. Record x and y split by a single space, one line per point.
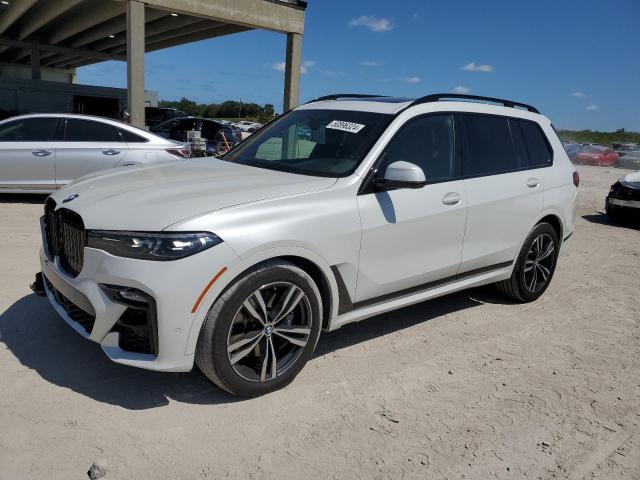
623 203
173 287
622 195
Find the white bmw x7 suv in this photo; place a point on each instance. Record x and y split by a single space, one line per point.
343 208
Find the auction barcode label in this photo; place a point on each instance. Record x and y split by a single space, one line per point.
345 126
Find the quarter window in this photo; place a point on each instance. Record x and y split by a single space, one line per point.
427 142
88 131
29 130
539 152
131 137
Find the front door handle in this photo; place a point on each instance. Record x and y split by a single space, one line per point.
111 151
41 153
452 198
533 182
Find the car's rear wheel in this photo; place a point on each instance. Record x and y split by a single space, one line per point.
262 331
534 266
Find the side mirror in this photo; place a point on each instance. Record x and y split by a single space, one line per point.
401 175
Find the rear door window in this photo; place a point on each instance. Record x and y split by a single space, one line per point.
78 130
539 150
131 137
488 146
29 130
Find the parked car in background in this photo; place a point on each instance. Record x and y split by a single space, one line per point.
156 115
572 149
629 155
219 136
624 198
596 155
43 152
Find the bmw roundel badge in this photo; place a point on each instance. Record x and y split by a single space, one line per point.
70 197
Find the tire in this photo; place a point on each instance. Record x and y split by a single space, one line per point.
239 338
538 256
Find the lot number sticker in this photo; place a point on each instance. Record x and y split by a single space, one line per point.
345 126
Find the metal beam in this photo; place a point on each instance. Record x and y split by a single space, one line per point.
86 21
45 13
135 62
112 27
292 71
15 11
249 13
64 50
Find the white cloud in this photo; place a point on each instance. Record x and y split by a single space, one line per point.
461 89
412 79
372 23
592 107
304 68
472 67
370 63
578 94
332 73
306 65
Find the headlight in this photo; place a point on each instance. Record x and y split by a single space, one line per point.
151 246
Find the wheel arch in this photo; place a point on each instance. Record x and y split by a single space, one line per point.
305 259
555 221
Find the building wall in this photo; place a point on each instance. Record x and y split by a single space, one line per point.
23 72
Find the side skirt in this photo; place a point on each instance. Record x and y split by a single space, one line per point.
353 312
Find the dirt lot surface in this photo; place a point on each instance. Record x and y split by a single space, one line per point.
466 386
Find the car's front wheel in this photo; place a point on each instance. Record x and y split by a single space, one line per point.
534 266
262 331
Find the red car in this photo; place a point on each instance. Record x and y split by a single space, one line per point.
596 155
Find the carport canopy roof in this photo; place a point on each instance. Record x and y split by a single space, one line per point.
74 33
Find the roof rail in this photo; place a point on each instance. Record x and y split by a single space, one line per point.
344 95
458 96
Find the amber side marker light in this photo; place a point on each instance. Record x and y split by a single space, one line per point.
206 289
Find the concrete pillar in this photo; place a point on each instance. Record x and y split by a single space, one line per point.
35 64
292 71
135 62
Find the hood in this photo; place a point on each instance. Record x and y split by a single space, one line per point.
150 198
631 180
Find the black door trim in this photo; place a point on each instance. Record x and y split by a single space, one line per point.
346 305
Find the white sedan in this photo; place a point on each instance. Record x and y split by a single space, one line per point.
41 153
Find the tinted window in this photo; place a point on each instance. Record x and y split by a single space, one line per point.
131 137
427 142
210 130
90 131
519 145
29 130
539 151
489 148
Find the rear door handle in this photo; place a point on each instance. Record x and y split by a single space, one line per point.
41 153
111 151
452 198
533 182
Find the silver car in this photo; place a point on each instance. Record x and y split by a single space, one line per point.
43 152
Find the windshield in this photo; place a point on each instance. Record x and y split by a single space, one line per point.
326 143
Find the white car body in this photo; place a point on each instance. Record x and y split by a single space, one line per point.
44 165
374 253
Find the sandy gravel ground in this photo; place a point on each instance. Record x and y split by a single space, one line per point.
467 386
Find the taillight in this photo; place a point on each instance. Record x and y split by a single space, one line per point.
576 179
180 152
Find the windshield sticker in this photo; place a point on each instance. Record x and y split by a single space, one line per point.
345 126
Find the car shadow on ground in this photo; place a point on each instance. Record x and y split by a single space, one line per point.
33 198
601 218
42 341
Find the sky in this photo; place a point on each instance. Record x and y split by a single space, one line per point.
577 61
